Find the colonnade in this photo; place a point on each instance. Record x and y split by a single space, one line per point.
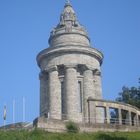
128 120
125 114
70 80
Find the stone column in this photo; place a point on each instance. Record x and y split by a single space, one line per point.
43 94
55 94
97 84
120 116
107 115
88 90
137 119
130 118
91 112
71 89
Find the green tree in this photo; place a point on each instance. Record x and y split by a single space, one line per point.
130 95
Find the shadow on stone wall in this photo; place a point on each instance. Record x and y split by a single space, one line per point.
109 137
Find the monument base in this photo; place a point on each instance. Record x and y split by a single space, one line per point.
52 125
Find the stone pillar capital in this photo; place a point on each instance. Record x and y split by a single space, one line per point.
70 66
52 68
86 67
97 72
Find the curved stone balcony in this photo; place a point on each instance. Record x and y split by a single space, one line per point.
99 118
101 112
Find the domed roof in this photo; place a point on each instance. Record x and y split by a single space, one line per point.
69 43
68 24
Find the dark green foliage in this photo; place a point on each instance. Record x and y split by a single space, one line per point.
72 127
130 96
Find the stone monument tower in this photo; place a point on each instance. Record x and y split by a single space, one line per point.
70 83
70 71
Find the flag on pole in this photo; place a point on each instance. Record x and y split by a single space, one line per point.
4 114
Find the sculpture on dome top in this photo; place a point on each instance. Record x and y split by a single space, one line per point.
68 17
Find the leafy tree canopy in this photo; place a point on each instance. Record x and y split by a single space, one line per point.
130 95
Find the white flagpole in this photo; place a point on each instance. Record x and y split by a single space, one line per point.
4 116
23 109
13 111
4 124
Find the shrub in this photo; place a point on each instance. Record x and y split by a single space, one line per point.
72 127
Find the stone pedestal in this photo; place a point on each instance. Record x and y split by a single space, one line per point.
55 94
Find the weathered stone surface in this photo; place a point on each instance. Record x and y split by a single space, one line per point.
70 55
88 87
116 105
71 83
71 89
97 84
44 94
55 94
60 126
69 39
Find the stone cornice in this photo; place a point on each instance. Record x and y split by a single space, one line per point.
70 49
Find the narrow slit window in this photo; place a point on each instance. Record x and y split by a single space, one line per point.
80 96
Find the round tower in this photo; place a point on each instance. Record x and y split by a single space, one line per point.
70 71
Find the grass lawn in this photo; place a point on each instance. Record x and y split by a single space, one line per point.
42 135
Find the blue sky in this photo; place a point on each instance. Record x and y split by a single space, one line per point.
25 25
